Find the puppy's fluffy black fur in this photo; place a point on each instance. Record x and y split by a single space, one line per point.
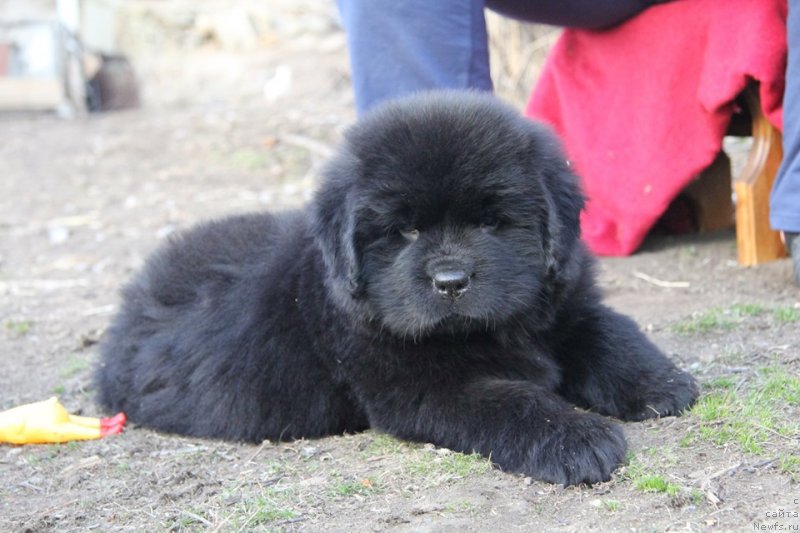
435 289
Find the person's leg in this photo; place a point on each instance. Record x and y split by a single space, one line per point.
402 46
572 13
785 199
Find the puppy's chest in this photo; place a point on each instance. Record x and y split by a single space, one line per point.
528 361
482 356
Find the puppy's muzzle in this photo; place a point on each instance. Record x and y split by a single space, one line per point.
451 283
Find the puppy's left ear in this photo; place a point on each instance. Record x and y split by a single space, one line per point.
334 215
563 198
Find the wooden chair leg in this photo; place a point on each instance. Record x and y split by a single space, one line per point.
755 240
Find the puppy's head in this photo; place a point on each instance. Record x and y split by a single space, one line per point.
447 211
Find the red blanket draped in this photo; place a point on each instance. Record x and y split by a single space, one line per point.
643 107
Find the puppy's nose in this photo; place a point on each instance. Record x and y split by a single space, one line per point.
451 283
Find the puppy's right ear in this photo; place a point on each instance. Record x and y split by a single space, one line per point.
334 215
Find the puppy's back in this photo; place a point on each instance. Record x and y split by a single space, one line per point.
192 286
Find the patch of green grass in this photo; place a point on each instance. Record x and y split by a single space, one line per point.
646 478
19 328
633 466
790 464
727 419
74 366
781 385
464 506
427 461
696 496
59 390
275 469
718 318
688 439
383 444
353 487
721 382
271 506
656 483
786 315
611 506
745 310
713 406
263 510
702 323
749 418
452 465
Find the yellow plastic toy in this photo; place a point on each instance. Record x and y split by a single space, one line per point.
49 422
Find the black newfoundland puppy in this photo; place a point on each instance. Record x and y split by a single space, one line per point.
436 289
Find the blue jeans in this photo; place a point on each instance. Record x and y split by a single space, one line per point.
401 46
785 199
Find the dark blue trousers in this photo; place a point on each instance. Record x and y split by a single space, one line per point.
785 199
400 46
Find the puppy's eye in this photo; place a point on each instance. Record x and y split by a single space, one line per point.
410 235
490 223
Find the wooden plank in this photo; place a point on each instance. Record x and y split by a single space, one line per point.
756 241
710 195
23 93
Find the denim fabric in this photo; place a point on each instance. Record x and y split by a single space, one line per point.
785 198
402 46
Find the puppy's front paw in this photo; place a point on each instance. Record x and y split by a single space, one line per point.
670 395
582 448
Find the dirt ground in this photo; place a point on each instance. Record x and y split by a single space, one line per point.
83 201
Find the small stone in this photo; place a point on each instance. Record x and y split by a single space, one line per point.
57 234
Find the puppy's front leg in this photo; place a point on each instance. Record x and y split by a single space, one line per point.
610 366
521 426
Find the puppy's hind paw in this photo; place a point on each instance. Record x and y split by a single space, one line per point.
586 448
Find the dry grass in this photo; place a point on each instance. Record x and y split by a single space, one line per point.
517 53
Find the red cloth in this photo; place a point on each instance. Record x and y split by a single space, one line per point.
643 107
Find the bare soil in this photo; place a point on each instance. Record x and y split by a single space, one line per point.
83 201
